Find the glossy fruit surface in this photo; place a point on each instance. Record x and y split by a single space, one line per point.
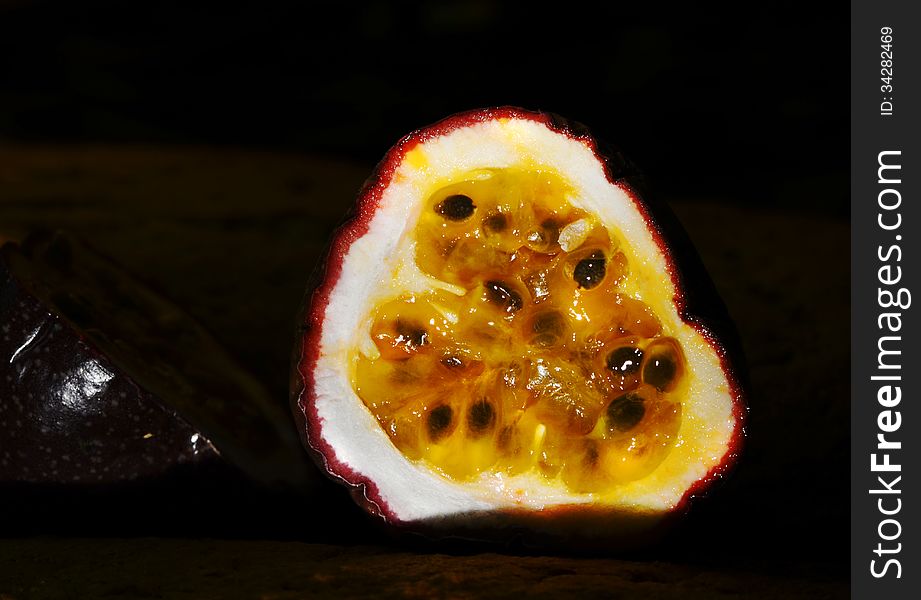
104 381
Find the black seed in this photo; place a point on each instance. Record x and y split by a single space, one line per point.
625 412
501 294
481 417
439 420
455 208
411 335
659 371
495 223
452 362
589 272
625 360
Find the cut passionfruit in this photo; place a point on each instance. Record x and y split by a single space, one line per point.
505 337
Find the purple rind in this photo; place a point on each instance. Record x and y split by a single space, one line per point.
67 414
82 432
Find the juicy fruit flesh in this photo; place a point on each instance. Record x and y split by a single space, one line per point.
546 364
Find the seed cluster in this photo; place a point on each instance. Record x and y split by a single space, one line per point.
546 364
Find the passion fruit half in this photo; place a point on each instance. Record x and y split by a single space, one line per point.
507 336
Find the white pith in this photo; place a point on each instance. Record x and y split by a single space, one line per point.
380 265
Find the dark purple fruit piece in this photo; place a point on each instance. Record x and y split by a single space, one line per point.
104 381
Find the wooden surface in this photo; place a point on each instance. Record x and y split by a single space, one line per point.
194 569
233 236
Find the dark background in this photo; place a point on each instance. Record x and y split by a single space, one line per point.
173 134
745 105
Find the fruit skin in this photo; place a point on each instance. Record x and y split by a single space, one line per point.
696 299
83 434
60 392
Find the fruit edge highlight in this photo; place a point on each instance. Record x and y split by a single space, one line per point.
540 357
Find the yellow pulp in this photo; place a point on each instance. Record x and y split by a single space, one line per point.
545 365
